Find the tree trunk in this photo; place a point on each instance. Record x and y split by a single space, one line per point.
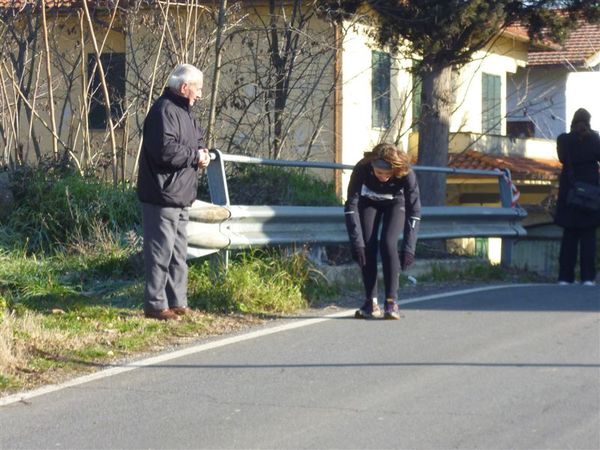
104 85
434 126
50 88
151 90
278 93
212 116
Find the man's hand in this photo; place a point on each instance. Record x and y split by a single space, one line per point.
203 158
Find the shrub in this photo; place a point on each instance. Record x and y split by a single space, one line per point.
260 185
56 207
258 282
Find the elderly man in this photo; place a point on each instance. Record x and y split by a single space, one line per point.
172 152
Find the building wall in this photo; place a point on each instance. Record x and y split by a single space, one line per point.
583 91
503 59
242 126
67 88
538 94
548 96
309 111
467 116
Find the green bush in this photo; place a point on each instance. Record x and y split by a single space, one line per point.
258 282
74 240
57 207
263 185
478 271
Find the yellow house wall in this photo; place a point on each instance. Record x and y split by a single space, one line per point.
504 56
307 102
311 91
239 130
358 134
65 45
494 61
356 131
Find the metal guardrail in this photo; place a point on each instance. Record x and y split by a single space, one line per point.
218 225
213 227
219 193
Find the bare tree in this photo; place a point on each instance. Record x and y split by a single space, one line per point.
271 90
279 81
216 74
50 88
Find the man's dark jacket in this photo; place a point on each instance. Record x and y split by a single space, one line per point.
580 156
168 171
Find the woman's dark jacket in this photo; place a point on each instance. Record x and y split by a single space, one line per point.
583 155
404 190
168 172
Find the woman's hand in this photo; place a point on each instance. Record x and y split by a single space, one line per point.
406 259
358 255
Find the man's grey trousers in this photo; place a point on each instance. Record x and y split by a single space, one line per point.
165 251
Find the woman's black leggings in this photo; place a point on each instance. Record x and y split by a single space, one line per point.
585 239
391 216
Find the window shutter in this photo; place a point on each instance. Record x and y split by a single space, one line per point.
380 89
491 112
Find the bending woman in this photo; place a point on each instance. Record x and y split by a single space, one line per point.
383 192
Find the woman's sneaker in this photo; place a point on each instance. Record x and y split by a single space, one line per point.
369 310
391 311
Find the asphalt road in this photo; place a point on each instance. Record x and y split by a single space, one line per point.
507 368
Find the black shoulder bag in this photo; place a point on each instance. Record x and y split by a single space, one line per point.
582 195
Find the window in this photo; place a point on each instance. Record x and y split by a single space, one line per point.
522 129
491 115
114 70
482 247
380 89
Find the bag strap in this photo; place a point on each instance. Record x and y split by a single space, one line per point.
569 165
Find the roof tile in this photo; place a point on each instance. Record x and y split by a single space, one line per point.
582 43
519 166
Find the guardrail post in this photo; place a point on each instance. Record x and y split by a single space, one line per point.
219 195
217 182
506 200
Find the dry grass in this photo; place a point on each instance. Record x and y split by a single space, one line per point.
37 349
11 350
24 338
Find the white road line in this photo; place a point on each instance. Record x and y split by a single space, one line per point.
23 396
466 291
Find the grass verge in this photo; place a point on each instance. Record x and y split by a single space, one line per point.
72 313
479 272
71 270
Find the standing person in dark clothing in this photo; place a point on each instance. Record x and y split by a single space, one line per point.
579 152
383 191
172 152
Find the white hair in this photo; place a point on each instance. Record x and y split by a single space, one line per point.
184 73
